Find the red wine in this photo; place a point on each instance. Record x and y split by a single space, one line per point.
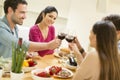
61 36
69 38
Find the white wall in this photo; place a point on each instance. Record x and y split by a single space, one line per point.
62 6
83 14
1 8
81 18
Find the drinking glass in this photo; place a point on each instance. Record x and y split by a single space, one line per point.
69 39
60 36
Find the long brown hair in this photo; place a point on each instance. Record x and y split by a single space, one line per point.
106 38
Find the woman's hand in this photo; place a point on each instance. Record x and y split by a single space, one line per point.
74 48
78 55
76 41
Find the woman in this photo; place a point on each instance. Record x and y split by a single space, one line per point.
43 30
103 64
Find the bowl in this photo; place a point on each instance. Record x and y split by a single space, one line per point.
28 69
35 77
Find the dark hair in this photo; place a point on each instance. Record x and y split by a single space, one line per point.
48 9
13 4
115 19
106 40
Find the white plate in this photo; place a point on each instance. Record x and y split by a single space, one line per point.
28 69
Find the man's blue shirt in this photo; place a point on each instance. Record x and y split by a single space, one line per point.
7 38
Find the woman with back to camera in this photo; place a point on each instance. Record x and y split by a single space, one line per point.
43 30
102 64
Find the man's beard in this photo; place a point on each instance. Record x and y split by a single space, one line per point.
16 20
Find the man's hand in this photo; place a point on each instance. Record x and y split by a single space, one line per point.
54 43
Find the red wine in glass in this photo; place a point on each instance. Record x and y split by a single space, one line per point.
61 36
69 38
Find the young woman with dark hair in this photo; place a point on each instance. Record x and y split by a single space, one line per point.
43 30
102 64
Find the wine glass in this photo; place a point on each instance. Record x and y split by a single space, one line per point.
69 39
60 36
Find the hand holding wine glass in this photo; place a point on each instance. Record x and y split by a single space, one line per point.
60 36
69 38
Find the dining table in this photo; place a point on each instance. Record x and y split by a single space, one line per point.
42 63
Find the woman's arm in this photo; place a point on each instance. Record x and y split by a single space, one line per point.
78 55
35 46
82 51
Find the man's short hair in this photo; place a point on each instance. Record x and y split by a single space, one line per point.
115 19
13 4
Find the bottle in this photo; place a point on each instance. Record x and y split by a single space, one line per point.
20 43
18 56
72 61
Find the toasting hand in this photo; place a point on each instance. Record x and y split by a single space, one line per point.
54 43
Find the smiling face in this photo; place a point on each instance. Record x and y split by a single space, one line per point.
49 18
19 14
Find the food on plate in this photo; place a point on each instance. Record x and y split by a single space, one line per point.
29 63
65 50
62 52
60 72
50 71
54 70
64 73
43 74
25 63
40 74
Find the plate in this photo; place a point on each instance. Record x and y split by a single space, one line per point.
64 73
28 69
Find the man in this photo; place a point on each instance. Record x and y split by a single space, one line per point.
15 13
115 19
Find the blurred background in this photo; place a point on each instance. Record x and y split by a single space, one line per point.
74 16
